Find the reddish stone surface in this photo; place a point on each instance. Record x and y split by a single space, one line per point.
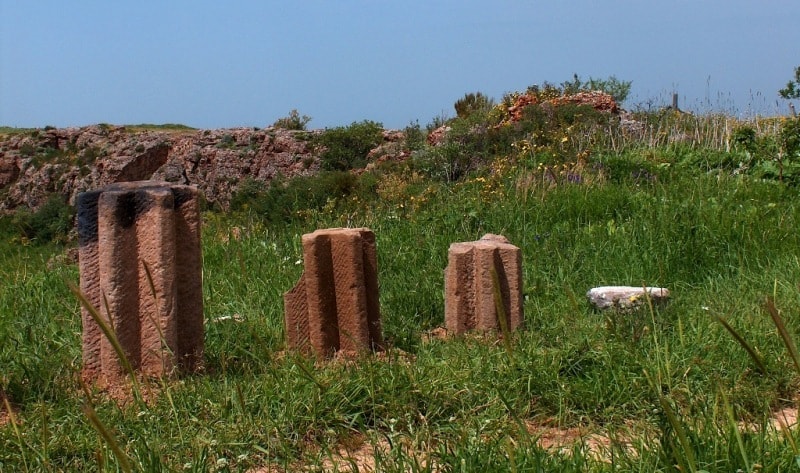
68 161
600 101
470 301
140 266
437 136
334 307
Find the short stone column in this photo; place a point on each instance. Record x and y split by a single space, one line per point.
480 275
141 268
334 307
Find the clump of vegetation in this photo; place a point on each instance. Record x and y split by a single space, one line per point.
27 150
472 103
51 222
346 148
294 121
226 142
296 199
414 136
158 127
618 89
536 132
792 89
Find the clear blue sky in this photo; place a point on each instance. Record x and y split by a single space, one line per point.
246 63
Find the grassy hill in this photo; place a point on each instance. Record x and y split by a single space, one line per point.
706 206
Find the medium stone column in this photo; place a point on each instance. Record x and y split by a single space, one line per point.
334 306
472 291
141 268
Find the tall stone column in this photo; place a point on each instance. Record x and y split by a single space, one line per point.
334 307
141 268
482 276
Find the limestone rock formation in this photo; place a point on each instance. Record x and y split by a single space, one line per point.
600 101
68 161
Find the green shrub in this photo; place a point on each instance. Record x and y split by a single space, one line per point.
472 103
293 122
293 199
346 148
447 162
415 138
792 90
90 155
27 150
744 137
619 89
790 138
226 142
247 192
51 222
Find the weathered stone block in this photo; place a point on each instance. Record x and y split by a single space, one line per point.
625 298
477 273
334 307
141 268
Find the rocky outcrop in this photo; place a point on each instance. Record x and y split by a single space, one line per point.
68 161
600 101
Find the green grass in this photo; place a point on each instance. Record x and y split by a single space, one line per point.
669 386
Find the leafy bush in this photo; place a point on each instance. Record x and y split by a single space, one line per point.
771 156
293 122
90 155
51 222
744 137
415 138
346 148
247 192
27 150
619 89
792 90
790 138
293 199
471 103
471 141
226 142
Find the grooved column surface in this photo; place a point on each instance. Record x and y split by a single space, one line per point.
334 307
140 266
480 276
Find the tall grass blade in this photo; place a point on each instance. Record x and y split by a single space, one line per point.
502 314
747 347
735 428
677 426
309 375
108 438
15 425
784 333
